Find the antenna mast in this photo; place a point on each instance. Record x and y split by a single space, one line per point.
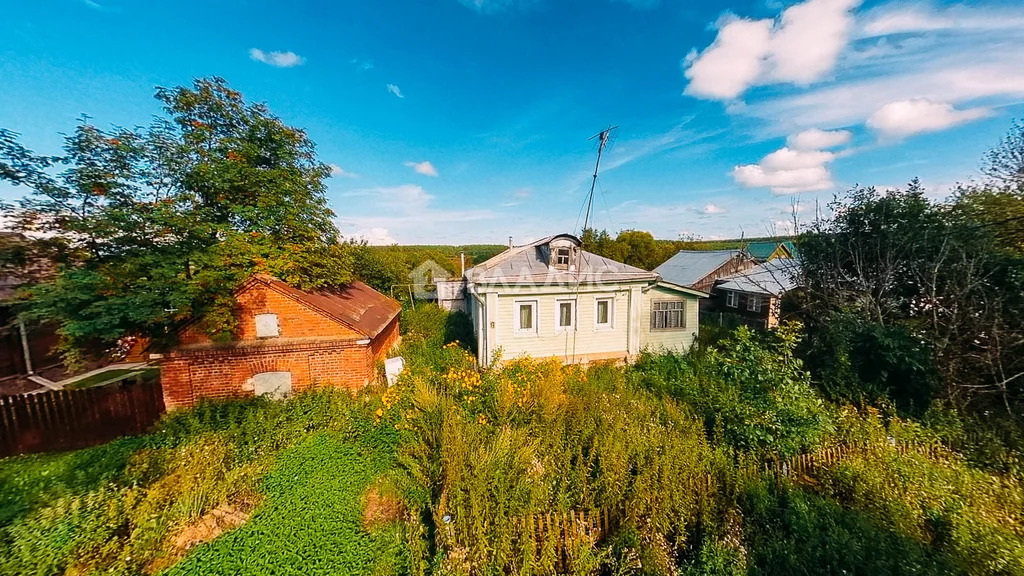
603 137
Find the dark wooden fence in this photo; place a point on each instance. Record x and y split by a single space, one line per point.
69 419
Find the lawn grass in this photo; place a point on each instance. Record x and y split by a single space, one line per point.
101 377
311 521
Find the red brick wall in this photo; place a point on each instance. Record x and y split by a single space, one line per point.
295 320
336 359
187 376
386 340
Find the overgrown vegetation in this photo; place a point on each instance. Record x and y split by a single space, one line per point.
674 449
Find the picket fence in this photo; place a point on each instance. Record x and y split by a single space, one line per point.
70 419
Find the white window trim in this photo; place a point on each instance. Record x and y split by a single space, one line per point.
732 299
536 317
610 325
753 303
558 315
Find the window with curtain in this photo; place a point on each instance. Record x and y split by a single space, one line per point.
668 314
603 313
566 314
526 316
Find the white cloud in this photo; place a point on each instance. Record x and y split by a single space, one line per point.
909 117
278 59
817 139
710 209
964 55
406 212
809 38
425 168
801 46
395 90
788 159
339 171
788 170
732 63
901 18
374 236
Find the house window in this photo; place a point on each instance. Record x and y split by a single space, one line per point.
604 312
274 385
526 316
267 326
668 315
753 303
562 258
566 315
731 299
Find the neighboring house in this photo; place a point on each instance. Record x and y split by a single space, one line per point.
24 348
765 251
288 340
698 269
756 294
553 299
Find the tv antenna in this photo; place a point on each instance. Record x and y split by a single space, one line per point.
603 137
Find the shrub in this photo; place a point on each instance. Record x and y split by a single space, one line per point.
752 389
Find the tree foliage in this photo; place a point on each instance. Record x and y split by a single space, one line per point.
164 221
907 297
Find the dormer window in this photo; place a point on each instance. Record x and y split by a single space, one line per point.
562 258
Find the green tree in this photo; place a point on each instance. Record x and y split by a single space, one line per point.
167 220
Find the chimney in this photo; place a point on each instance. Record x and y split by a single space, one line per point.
462 258
509 242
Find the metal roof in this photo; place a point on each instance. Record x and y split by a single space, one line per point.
772 278
764 250
355 305
529 265
688 267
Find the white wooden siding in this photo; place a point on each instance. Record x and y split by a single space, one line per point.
549 340
668 339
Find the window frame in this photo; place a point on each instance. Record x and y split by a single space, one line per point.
610 324
558 315
558 257
654 314
754 303
277 325
732 299
517 316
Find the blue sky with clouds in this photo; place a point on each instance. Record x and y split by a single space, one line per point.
452 121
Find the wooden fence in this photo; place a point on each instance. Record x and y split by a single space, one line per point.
70 419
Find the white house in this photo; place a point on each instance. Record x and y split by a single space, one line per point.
552 298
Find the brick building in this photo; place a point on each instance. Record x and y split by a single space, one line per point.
288 340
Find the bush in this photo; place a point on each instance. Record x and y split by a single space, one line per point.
751 389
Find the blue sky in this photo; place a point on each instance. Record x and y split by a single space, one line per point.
452 121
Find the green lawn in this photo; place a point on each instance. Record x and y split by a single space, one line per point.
147 374
311 521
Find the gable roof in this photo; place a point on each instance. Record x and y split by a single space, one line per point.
528 264
764 250
355 305
688 267
771 278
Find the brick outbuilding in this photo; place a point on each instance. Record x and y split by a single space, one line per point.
288 340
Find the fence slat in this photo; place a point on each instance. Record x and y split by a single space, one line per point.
70 419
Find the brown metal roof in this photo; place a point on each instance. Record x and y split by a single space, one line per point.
355 305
